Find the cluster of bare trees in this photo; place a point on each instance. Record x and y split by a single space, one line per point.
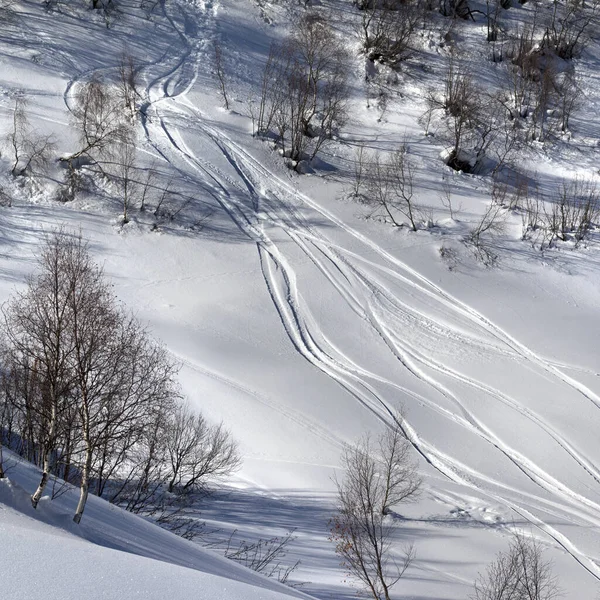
378 477
476 126
564 31
571 213
537 91
105 115
484 129
303 90
89 396
537 81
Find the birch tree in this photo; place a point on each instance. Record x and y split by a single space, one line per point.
36 329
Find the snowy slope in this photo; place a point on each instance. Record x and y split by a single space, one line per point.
302 325
114 553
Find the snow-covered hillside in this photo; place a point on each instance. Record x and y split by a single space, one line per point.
303 324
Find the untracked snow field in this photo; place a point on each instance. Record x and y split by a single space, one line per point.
303 324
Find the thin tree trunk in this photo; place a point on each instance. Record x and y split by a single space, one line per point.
85 485
47 453
1 467
44 480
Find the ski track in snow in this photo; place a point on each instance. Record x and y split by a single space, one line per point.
387 314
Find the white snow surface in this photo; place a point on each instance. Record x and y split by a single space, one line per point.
303 325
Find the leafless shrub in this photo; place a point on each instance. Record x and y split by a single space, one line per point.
449 256
108 8
567 33
5 197
482 234
524 50
264 555
520 572
447 201
30 151
574 211
73 183
532 214
456 8
377 478
149 6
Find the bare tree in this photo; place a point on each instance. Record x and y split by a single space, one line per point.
220 72
30 151
378 477
101 119
127 84
360 167
124 171
4 410
197 451
389 186
264 555
482 234
570 97
462 105
520 572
